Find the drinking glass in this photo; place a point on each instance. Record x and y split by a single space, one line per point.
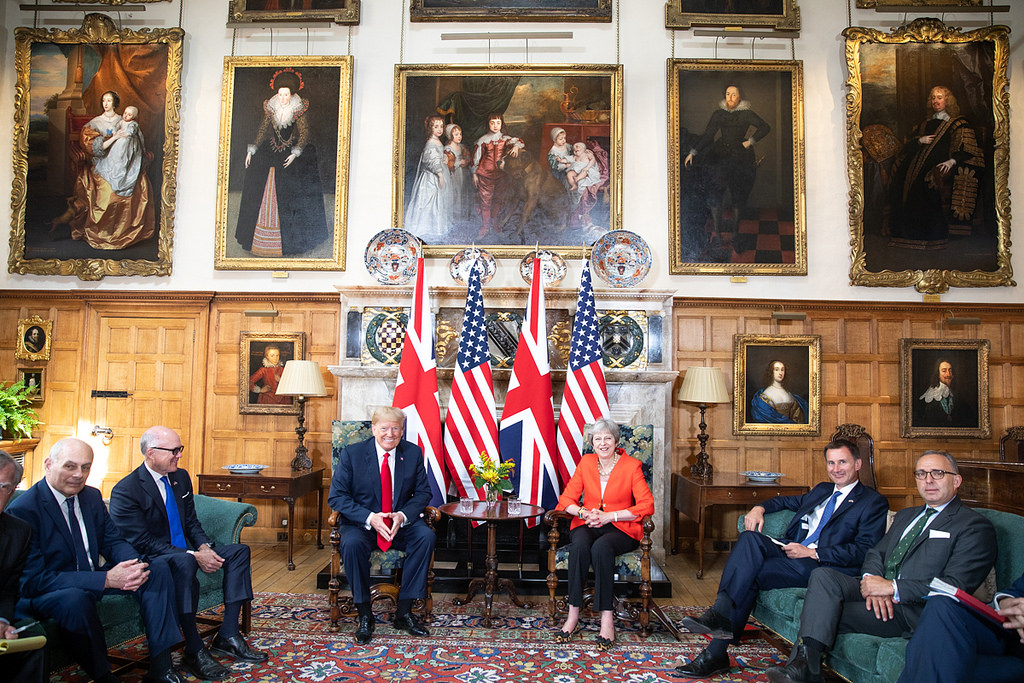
465 504
514 505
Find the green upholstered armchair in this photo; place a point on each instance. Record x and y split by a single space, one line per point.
635 566
344 433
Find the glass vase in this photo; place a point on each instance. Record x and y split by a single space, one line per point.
492 496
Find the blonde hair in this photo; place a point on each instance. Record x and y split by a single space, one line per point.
387 414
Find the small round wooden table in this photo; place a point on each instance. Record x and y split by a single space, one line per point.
496 512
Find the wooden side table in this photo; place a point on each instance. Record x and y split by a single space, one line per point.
693 497
273 483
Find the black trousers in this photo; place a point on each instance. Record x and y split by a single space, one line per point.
597 548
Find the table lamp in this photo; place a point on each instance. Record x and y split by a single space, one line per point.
301 379
703 385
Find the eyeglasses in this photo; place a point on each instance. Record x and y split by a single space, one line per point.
937 475
6 487
175 451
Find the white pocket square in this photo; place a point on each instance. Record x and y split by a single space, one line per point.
936 533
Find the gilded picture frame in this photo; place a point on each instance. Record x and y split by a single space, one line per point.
259 371
255 11
505 10
944 388
109 2
35 337
736 208
777 384
782 15
34 377
80 207
302 223
929 196
872 4
520 199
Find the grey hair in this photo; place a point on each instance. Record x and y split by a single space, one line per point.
145 440
953 467
603 424
57 449
7 460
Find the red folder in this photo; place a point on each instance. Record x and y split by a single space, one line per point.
940 587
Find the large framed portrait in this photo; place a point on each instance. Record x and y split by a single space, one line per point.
944 388
777 14
282 180
35 335
928 134
261 359
736 167
263 11
95 150
777 384
508 156
510 10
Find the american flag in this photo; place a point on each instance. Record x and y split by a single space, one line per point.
471 425
586 397
527 434
416 390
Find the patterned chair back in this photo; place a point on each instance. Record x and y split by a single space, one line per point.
638 442
345 433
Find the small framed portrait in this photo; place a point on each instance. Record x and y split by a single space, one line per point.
778 14
33 379
507 156
34 337
777 385
928 153
264 11
944 388
511 10
261 359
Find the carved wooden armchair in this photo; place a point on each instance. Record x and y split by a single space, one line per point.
632 567
1011 445
343 433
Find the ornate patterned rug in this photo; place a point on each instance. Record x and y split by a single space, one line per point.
295 630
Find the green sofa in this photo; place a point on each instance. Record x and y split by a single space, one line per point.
223 521
869 659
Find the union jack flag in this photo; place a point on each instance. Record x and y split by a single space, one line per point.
586 397
527 434
416 390
471 425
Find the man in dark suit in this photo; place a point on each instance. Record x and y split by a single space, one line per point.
942 538
15 535
63 579
138 504
380 488
835 524
952 644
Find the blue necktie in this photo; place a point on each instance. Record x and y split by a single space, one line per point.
173 518
826 515
81 558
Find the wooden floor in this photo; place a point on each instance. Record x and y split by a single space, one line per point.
270 573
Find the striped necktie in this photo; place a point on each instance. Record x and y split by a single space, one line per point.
899 553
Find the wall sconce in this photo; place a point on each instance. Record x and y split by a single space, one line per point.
702 386
301 379
261 312
788 315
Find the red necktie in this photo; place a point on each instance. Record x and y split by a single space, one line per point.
385 498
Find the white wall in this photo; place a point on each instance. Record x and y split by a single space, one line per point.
645 45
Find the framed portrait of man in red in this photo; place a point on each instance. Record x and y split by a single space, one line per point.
261 359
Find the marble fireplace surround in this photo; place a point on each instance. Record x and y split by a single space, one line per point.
635 396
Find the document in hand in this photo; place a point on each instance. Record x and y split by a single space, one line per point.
940 587
22 644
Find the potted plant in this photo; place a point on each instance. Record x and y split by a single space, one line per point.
17 417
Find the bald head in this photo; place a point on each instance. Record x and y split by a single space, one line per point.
68 465
161 446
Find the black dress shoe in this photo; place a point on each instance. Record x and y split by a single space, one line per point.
365 630
169 676
236 648
203 666
408 623
704 666
803 667
710 623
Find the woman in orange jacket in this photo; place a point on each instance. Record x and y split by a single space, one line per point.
615 498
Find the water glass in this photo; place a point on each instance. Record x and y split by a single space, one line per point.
514 505
465 504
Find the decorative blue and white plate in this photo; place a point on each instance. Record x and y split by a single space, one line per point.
761 476
244 468
621 258
391 256
552 267
461 265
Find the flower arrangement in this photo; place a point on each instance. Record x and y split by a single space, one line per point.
492 475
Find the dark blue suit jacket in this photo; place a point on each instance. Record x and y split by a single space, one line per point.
1016 590
15 537
138 509
51 560
355 484
856 525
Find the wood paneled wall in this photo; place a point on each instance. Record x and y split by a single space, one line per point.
860 373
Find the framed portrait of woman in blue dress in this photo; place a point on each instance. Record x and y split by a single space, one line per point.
777 387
